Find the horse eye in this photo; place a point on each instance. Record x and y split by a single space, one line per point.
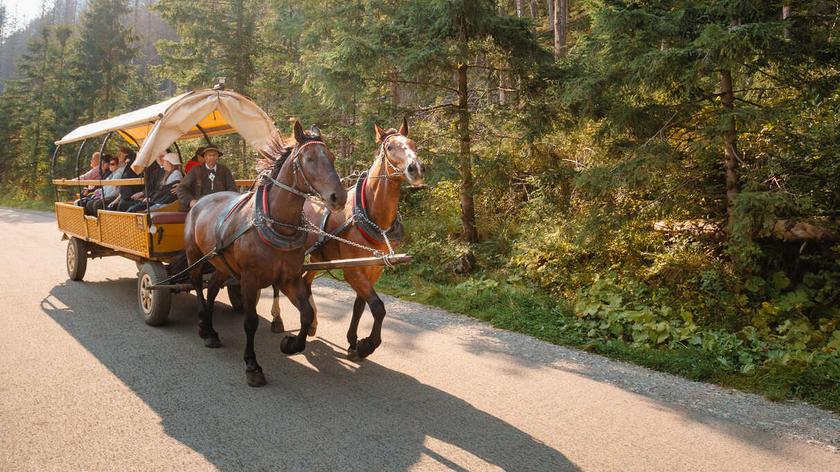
388 147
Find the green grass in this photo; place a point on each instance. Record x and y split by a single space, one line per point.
526 311
15 202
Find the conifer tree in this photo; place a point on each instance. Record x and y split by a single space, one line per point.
102 66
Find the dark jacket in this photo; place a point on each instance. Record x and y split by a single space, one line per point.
126 191
197 183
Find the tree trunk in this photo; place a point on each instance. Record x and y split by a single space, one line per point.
533 10
729 141
465 159
549 4
785 16
519 8
561 23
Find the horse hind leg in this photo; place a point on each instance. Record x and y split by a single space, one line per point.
276 319
313 328
211 337
197 281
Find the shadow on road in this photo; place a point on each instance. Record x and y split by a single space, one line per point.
318 412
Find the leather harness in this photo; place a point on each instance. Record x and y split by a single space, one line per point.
361 218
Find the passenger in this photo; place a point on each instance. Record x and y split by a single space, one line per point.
93 174
171 180
123 200
197 159
107 193
205 179
154 180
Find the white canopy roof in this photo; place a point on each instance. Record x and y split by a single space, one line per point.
134 125
218 112
186 116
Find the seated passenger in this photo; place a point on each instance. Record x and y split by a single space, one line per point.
154 180
197 159
123 200
164 193
168 193
205 179
107 193
93 174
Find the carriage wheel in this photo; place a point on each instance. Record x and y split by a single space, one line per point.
154 304
76 258
235 295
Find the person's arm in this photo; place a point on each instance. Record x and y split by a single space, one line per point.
185 190
92 174
230 184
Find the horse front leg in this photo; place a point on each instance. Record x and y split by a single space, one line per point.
250 295
361 283
297 291
277 322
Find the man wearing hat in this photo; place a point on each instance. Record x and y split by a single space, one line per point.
210 177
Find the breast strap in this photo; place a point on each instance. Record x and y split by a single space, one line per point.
370 230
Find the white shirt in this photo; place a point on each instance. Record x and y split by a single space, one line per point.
175 176
111 191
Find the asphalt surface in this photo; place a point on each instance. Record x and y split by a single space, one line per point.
86 385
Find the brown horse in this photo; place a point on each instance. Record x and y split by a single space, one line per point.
255 238
375 209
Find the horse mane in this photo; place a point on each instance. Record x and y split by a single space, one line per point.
277 151
274 154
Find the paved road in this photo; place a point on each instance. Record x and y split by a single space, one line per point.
85 385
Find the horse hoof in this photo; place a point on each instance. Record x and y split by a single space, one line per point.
277 326
289 345
255 378
312 331
212 342
365 347
353 355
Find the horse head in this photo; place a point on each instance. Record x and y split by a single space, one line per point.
316 165
399 153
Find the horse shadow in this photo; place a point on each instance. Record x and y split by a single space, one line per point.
319 411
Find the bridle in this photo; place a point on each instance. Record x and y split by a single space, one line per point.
297 168
383 154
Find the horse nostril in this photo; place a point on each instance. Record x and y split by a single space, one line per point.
412 168
333 198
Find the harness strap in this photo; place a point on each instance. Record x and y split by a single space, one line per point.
223 243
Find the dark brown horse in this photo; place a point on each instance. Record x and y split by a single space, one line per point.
256 239
378 195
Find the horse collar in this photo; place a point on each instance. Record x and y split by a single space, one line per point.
265 225
361 217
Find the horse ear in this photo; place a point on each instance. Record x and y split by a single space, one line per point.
404 128
300 136
378 132
314 131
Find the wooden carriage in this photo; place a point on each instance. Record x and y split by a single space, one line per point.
154 239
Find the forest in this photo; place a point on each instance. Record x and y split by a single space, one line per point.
653 180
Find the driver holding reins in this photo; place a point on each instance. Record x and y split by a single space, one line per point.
211 177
